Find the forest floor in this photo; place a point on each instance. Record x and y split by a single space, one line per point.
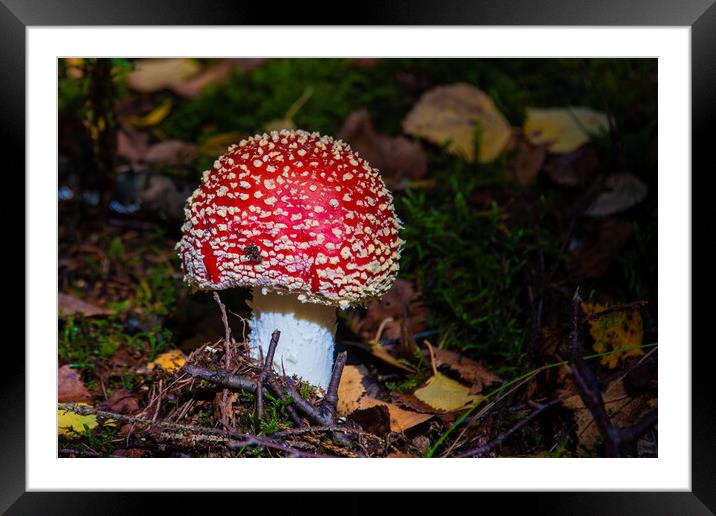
523 322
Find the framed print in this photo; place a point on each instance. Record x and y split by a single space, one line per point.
434 249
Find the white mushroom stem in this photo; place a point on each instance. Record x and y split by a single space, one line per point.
307 335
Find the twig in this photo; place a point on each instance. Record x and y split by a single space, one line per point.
588 386
195 432
233 381
225 404
331 400
268 363
321 429
221 377
632 433
482 450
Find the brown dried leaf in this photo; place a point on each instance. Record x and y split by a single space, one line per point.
374 419
623 411
400 420
69 305
122 402
171 152
575 168
410 402
393 305
396 158
453 115
469 370
350 390
70 386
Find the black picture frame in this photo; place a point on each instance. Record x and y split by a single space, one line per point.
700 15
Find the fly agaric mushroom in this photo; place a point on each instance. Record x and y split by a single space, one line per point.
304 221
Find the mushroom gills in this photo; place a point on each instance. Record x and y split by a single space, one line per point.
308 331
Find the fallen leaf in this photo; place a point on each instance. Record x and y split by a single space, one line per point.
443 393
157 74
469 370
563 129
122 402
169 361
397 158
623 410
374 419
70 386
154 117
72 425
621 332
379 351
392 305
410 402
350 390
171 152
69 305
576 168
400 420
454 115
622 191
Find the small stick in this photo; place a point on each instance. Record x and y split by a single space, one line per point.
221 377
331 400
194 432
482 450
268 363
225 405
233 381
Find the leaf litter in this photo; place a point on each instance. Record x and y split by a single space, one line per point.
393 391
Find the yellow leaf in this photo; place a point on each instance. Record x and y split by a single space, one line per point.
71 424
378 351
169 361
400 419
158 74
444 393
350 390
456 114
621 332
563 129
154 117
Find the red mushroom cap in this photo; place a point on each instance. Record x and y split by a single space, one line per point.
295 212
